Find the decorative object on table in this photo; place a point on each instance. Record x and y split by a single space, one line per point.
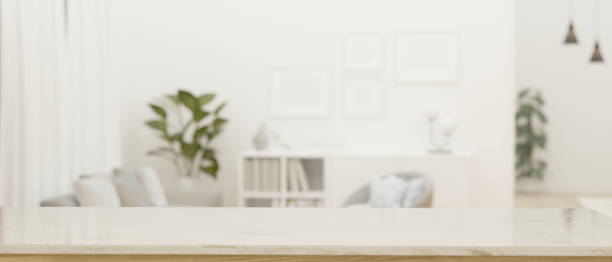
363 98
427 57
530 134
363 52
261 140
300 92
189 124
596 57
571 39
447 126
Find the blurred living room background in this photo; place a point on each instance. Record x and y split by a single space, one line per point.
276 103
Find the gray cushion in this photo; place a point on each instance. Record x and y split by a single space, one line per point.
61 201
131 190
387 191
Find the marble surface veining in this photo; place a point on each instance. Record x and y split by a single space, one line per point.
419 232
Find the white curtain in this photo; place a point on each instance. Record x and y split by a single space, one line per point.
58 117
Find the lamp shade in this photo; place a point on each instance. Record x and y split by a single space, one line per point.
571 35
597 57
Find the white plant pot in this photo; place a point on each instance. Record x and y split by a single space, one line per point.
529 185
187 183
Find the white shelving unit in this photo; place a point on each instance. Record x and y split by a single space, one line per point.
276 191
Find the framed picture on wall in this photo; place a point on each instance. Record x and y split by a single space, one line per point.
426 57
300 91
363 52
363 98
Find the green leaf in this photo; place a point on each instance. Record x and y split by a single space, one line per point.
219 122
211 169
525 110
220 107
199 114
173 98
541 164
539 100
209 154
522 131
158 110
176 137
541 116
541 141
205 99
161 150
189 150
217 127
188 100
523 93
157 124
197 135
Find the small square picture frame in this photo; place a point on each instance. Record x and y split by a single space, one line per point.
363 97
363 51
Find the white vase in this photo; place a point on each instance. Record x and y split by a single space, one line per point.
261 140
186 183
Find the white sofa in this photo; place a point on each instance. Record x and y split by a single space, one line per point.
129 188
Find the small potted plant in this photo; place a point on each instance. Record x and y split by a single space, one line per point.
188 124
530 139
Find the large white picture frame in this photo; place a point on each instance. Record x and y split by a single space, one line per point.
363 51
427 57
300 92
364 98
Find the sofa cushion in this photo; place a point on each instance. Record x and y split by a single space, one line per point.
96 192
69 200
130 188
153 186
387 191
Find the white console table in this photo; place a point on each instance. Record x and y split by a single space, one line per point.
337 174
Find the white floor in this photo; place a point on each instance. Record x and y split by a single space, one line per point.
601 203
545 200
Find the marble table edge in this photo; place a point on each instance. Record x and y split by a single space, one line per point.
605 251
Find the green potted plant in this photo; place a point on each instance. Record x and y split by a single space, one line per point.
188 124
531 138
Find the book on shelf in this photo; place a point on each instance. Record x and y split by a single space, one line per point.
265 175
255 168
302 203
301 174
292 181
296 176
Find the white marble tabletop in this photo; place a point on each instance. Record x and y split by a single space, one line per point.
419 232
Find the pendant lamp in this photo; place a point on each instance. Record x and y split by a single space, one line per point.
571 39
596 58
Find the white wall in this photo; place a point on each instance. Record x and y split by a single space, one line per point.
228 46
578 93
